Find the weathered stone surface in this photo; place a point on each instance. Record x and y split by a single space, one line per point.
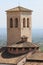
14 60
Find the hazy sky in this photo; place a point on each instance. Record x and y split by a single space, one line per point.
35 5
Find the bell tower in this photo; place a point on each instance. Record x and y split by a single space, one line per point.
19 25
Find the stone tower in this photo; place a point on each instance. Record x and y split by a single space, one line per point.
19 25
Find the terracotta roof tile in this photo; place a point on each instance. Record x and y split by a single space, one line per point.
10 60
36 56
34 63
23 44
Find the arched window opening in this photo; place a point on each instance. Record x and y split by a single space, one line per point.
16 22
10 49
11 22
27 22
23 22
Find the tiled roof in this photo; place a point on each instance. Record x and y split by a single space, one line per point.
14 60
19 8
36 56
23 44
34 63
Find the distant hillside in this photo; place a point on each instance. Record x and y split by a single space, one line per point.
37 36
3 36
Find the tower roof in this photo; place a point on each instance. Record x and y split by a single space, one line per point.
19 8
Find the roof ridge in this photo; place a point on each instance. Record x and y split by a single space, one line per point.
19 8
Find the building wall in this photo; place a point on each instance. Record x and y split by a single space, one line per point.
13 34
26 31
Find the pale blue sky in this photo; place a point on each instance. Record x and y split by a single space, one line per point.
35 5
